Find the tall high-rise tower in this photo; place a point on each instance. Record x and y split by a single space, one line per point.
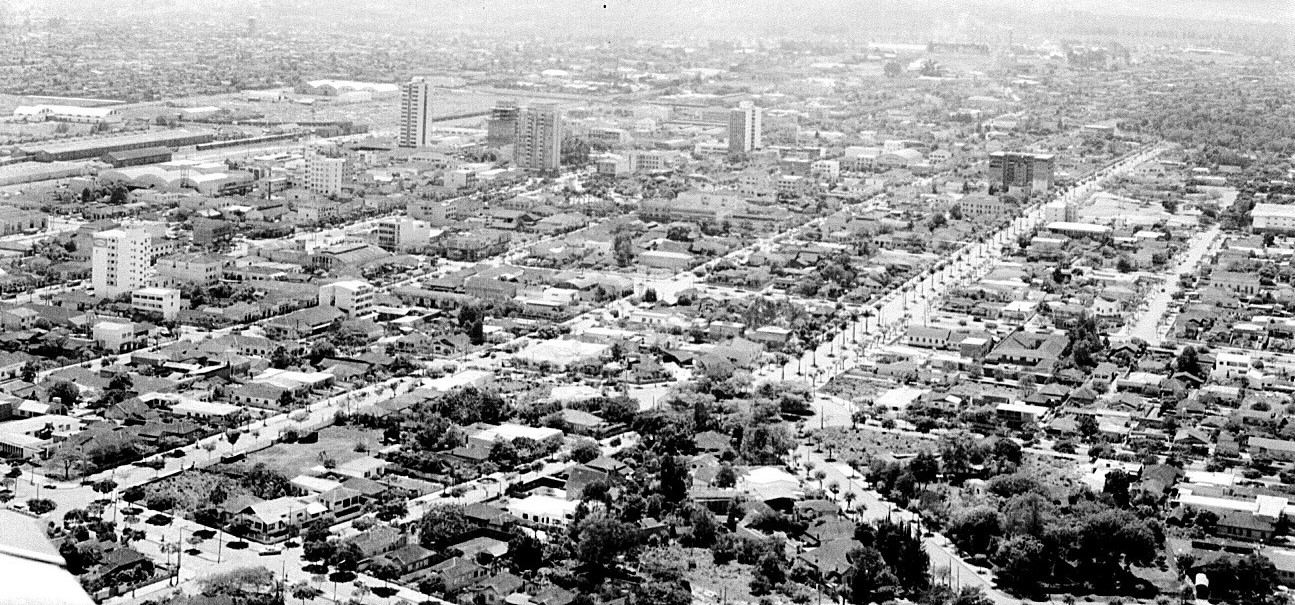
501 128
744 128
538 144
415 113
120 261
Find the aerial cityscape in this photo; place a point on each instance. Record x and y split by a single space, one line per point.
938 302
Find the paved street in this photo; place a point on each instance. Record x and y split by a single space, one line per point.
1149 322
870 507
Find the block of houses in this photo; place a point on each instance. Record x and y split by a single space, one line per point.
457 573
1272 449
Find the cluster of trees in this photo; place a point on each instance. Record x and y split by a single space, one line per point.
960 456
472 321
889 563
752 418
245 585
468 405
1082 540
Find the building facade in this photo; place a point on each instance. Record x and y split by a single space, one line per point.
120 260
352 297
404 233
415 113
160 302
538 145
1013 171
501 128
744 128
326 175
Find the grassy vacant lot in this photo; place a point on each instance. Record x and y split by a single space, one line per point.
866 441
292 459
708 578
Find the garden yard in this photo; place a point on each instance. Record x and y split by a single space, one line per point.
716 584
340 444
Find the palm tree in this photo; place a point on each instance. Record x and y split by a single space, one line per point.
170 548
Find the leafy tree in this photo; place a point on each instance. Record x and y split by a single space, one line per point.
600 539
958 451
673 478
305 591
1117 486
526 551
770 571
869 579
1028 513
281 359
705 528
623 249
1248 579
973 530
65 392
924 467
725 477
346 557
1189 362
392 508
1088 427
1023 564
315 545
470 405
237 583
441 523
585 451
40 506
903 552
477 332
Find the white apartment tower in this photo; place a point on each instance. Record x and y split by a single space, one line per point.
352 297
538 145
120 261
744 128
415 113
326 175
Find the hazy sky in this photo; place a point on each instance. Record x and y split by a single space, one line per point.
670 18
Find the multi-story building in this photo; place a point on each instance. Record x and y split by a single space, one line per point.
192 268
982 205
212 232
1273 217
694 206
501 128
744 128
352 297
1011 171
161 302
648 161
404 233
538 146
326 175
415 113
120 260
1060 211
14 220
